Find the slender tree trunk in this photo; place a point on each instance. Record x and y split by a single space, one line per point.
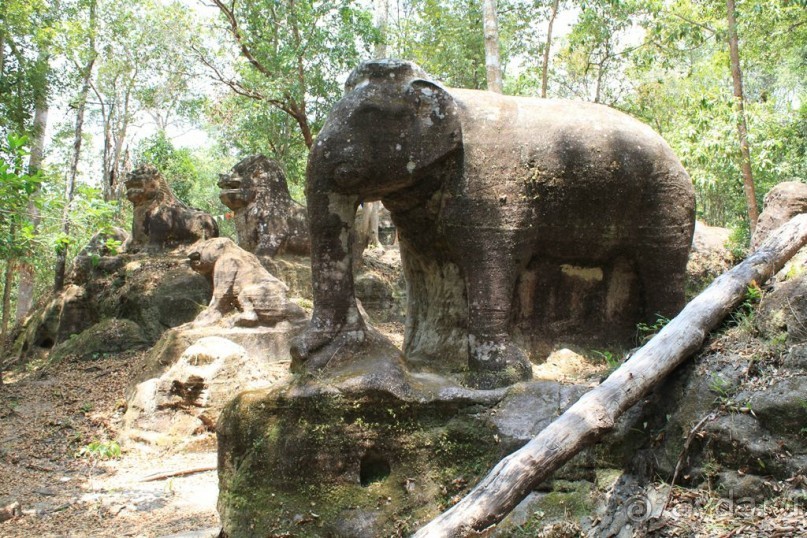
596 412
25 290
545 71
120 138
8 282
493 64
70 187
742 129
381 22
107 160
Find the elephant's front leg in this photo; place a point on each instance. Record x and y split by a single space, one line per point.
336 316
492 265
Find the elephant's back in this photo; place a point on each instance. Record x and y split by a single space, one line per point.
571 170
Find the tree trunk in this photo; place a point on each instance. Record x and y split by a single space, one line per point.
381 22
3 15
742 129
545 72
25 289
596 412
70 187
8 282
493 64
120 139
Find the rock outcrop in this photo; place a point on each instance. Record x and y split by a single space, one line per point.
782 203
179 406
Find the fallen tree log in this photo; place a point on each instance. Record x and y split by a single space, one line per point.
596 412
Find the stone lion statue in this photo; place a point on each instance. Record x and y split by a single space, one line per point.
160 219
267 220
241 286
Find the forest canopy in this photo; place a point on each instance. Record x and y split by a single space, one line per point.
91 88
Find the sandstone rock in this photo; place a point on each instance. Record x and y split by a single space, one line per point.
99 256
783 202
783 311
68 313
262 344
156 292
159 293
294 271
267 220
782 406
186 399
107 336
743 443
368 429
160 220
736 486
709 257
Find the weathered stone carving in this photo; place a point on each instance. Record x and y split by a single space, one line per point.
241 286
521 221
160 219
267 220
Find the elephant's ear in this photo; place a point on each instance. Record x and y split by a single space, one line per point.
438 116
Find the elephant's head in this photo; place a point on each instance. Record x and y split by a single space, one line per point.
392 125
391 133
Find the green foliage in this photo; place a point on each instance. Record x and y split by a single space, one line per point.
100 450
682 87
445 38
646 331
743 315
721 386
298 53
17 191
191 174
611 360
739 240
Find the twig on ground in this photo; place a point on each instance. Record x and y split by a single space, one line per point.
692 433
183 472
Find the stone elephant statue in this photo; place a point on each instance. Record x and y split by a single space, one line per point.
523 222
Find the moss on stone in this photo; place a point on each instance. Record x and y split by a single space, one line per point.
332 465
105 337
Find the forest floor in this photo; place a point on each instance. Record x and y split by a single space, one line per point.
56 430
56 424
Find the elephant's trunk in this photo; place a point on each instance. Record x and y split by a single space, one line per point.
331 217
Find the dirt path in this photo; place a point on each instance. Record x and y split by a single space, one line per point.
48 417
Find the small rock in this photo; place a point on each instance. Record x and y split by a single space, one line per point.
735 486
10 511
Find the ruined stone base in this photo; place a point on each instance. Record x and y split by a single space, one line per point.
192 373
370 451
